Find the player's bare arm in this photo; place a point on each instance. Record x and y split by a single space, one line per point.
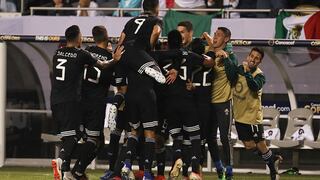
155 35
121 39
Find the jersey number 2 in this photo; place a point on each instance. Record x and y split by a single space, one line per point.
140 23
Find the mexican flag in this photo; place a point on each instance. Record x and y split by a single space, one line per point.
293 27
201 23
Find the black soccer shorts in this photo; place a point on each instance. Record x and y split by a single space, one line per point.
248 132
92 117
182 116
67 118
142 109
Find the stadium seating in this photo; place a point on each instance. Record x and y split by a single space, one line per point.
297 118
270 121
313 144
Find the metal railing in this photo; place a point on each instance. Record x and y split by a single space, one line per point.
225 12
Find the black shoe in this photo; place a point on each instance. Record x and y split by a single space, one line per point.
229 177
220 175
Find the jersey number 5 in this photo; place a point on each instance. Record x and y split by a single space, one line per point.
140 23
61 67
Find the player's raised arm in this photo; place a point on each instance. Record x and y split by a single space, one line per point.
116 57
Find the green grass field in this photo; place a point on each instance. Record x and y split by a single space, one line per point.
23 173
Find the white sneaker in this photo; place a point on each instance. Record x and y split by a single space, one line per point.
195 176
157 75
56 167
68 176
175 171
126 173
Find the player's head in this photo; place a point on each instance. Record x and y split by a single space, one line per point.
73 35
100 34
255 57
58 2
151 6
174 39
221 37
197 46
84 3
186 30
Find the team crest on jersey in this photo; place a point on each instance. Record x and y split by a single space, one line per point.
238 87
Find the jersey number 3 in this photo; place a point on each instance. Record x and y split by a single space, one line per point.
61 67
140 23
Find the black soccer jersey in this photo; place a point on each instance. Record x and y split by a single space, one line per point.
189 63
139 30
96 82
68 66
203 76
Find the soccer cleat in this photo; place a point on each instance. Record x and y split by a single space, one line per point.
116 178
107 175
139 174
126 172
220 175
194 176
229 173
175 171
56 167
68 176
229 177
81 177
156 75
200 171
147 176
160 177
185 178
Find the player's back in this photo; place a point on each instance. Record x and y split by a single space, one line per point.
138 30
188 64
68 65
96 82
202 78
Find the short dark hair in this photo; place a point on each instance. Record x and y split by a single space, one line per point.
150 5
187 24
259 50
72 33
225 31
174 39
99 34
198 46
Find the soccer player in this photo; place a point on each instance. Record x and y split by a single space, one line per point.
180 111
139 37
68 67
186 30
95 86
248 111
221 99
201 82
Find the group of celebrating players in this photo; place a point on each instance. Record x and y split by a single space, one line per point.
186 90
